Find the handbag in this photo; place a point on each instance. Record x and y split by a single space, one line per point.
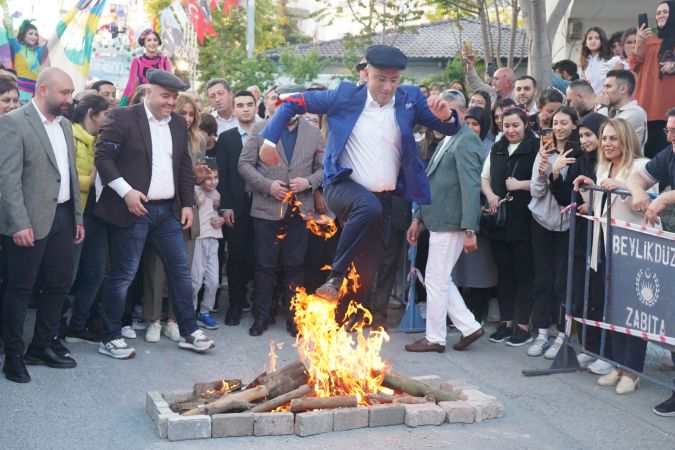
499 219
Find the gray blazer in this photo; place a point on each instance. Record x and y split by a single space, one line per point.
29 175
454 177
306 163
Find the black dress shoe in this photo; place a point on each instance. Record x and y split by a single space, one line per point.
15 369
258 327
59 348
47 356
330 290
292 328
232 321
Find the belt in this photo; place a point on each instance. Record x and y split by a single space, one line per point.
383 194
160 202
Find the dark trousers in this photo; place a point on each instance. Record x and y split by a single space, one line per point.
55 254
549 283
320 253
629 351
91 271
164 232
514 285
421 265
656 138
378 300
596 300
239 260
366 218
270 249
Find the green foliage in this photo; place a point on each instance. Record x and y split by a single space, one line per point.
452 71
225 55
301 68
154 7
374 16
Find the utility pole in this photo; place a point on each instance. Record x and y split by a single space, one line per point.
250 28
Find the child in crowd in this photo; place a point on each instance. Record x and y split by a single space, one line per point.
205 265
596 58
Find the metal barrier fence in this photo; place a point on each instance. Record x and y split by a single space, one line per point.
639 271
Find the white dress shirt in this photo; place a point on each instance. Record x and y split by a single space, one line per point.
225 124
161 179
373 150
58 141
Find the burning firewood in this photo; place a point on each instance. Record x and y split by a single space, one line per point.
231 401
282 399
217 388
283 380
310 403
414 387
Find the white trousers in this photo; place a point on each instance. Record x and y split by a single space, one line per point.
443 297
205 271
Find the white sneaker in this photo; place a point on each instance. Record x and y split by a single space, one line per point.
171 331
117 349
197 342
539 346
128 332
585 360
600 367
553 349
153 332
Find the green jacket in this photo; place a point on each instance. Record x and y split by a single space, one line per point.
454 174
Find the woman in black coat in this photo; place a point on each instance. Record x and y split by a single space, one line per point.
508 170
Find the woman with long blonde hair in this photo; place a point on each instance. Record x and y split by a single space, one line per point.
618 158
187 107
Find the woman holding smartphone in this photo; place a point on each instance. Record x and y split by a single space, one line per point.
562 188
620 157
653 64
550 231
507 171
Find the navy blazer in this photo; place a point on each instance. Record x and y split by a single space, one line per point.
343 107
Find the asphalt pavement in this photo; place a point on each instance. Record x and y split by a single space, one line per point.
101 403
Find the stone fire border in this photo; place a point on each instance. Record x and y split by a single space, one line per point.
470 406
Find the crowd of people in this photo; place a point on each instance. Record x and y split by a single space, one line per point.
142 212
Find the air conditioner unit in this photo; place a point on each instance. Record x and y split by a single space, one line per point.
574 29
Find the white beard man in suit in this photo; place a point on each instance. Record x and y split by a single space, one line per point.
40 219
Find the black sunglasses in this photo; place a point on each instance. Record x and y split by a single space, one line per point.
361 66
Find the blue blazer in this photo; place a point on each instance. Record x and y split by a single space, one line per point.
343 107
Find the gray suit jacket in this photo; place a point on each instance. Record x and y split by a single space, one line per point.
454 177
306 163
29 175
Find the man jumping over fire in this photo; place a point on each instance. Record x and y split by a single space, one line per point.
370 156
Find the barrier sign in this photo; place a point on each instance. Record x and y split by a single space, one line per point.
642 282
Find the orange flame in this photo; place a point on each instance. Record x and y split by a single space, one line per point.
323 226
281 236
339 362
225 386
273 356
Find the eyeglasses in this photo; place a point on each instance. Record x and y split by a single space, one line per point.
669 131
361 66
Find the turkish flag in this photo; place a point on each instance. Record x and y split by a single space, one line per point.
202 25
224 5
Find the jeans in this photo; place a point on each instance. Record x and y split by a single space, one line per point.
91 269
366 219
55 254
164 232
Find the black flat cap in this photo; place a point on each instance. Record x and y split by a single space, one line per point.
165 79
386 57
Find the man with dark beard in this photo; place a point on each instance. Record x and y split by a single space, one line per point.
40 220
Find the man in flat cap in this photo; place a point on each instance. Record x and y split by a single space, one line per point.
370 156
143 161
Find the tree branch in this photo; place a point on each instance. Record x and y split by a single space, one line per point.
556 16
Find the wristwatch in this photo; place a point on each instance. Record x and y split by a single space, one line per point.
469 233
